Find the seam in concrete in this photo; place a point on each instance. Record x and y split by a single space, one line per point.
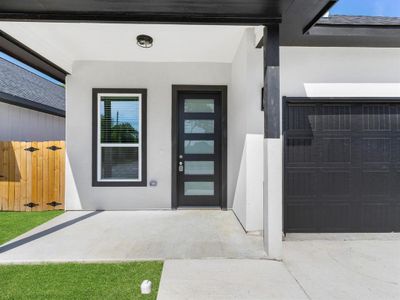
125 260
238 220
298 282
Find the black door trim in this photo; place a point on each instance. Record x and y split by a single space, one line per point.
223 90
301 100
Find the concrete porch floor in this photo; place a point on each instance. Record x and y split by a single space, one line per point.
134 235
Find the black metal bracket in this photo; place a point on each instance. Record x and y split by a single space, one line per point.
54 203
54 148
31 149
31 204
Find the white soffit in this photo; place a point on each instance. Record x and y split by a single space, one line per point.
64 43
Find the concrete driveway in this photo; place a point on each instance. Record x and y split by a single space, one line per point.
345 267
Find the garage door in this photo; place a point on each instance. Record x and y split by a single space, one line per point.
342 167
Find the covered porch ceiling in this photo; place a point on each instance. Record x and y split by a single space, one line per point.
64 43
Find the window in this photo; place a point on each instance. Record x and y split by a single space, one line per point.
119 137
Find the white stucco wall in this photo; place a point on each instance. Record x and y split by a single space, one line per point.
157 78
340 72
22 124
304 72
246 121
248 197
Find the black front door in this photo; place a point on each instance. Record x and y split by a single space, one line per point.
199 149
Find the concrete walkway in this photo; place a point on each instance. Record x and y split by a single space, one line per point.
227 279
342 267
134 235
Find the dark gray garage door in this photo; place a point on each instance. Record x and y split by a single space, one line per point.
342 167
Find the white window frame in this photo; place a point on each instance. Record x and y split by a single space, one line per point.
100 144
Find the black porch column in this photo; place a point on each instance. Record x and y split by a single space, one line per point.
271 82
272 192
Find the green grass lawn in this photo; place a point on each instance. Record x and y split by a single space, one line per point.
13 224
79 281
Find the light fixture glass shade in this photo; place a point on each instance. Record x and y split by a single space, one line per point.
144 41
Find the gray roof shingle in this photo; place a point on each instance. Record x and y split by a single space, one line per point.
22 83
359 20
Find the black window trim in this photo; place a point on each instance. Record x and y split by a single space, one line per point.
143 136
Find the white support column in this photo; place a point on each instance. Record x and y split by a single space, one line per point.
272 196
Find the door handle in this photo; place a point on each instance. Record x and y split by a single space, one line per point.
180 167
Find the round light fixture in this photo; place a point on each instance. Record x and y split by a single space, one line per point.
144 41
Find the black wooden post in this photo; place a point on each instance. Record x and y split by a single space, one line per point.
271 82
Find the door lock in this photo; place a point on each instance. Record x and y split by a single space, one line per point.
180 167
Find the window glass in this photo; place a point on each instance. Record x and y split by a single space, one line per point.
199 106
199 188
119 163
199 126
119 120
199 167
199 147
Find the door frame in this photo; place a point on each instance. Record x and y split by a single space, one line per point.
223 91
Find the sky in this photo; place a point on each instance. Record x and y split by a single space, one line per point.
384 8
30 69
128 112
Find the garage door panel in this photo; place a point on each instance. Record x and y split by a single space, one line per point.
396 151
396 216
335 216
376 150
302 183
375 183
395 183
342 167
300 151
336 149
376 117
302 118
335 183
335 117
376 217
300 217
396 117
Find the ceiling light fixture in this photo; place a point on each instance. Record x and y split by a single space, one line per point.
144 41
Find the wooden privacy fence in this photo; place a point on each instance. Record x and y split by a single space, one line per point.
32 175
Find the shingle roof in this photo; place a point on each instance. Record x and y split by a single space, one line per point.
19 82
359 20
